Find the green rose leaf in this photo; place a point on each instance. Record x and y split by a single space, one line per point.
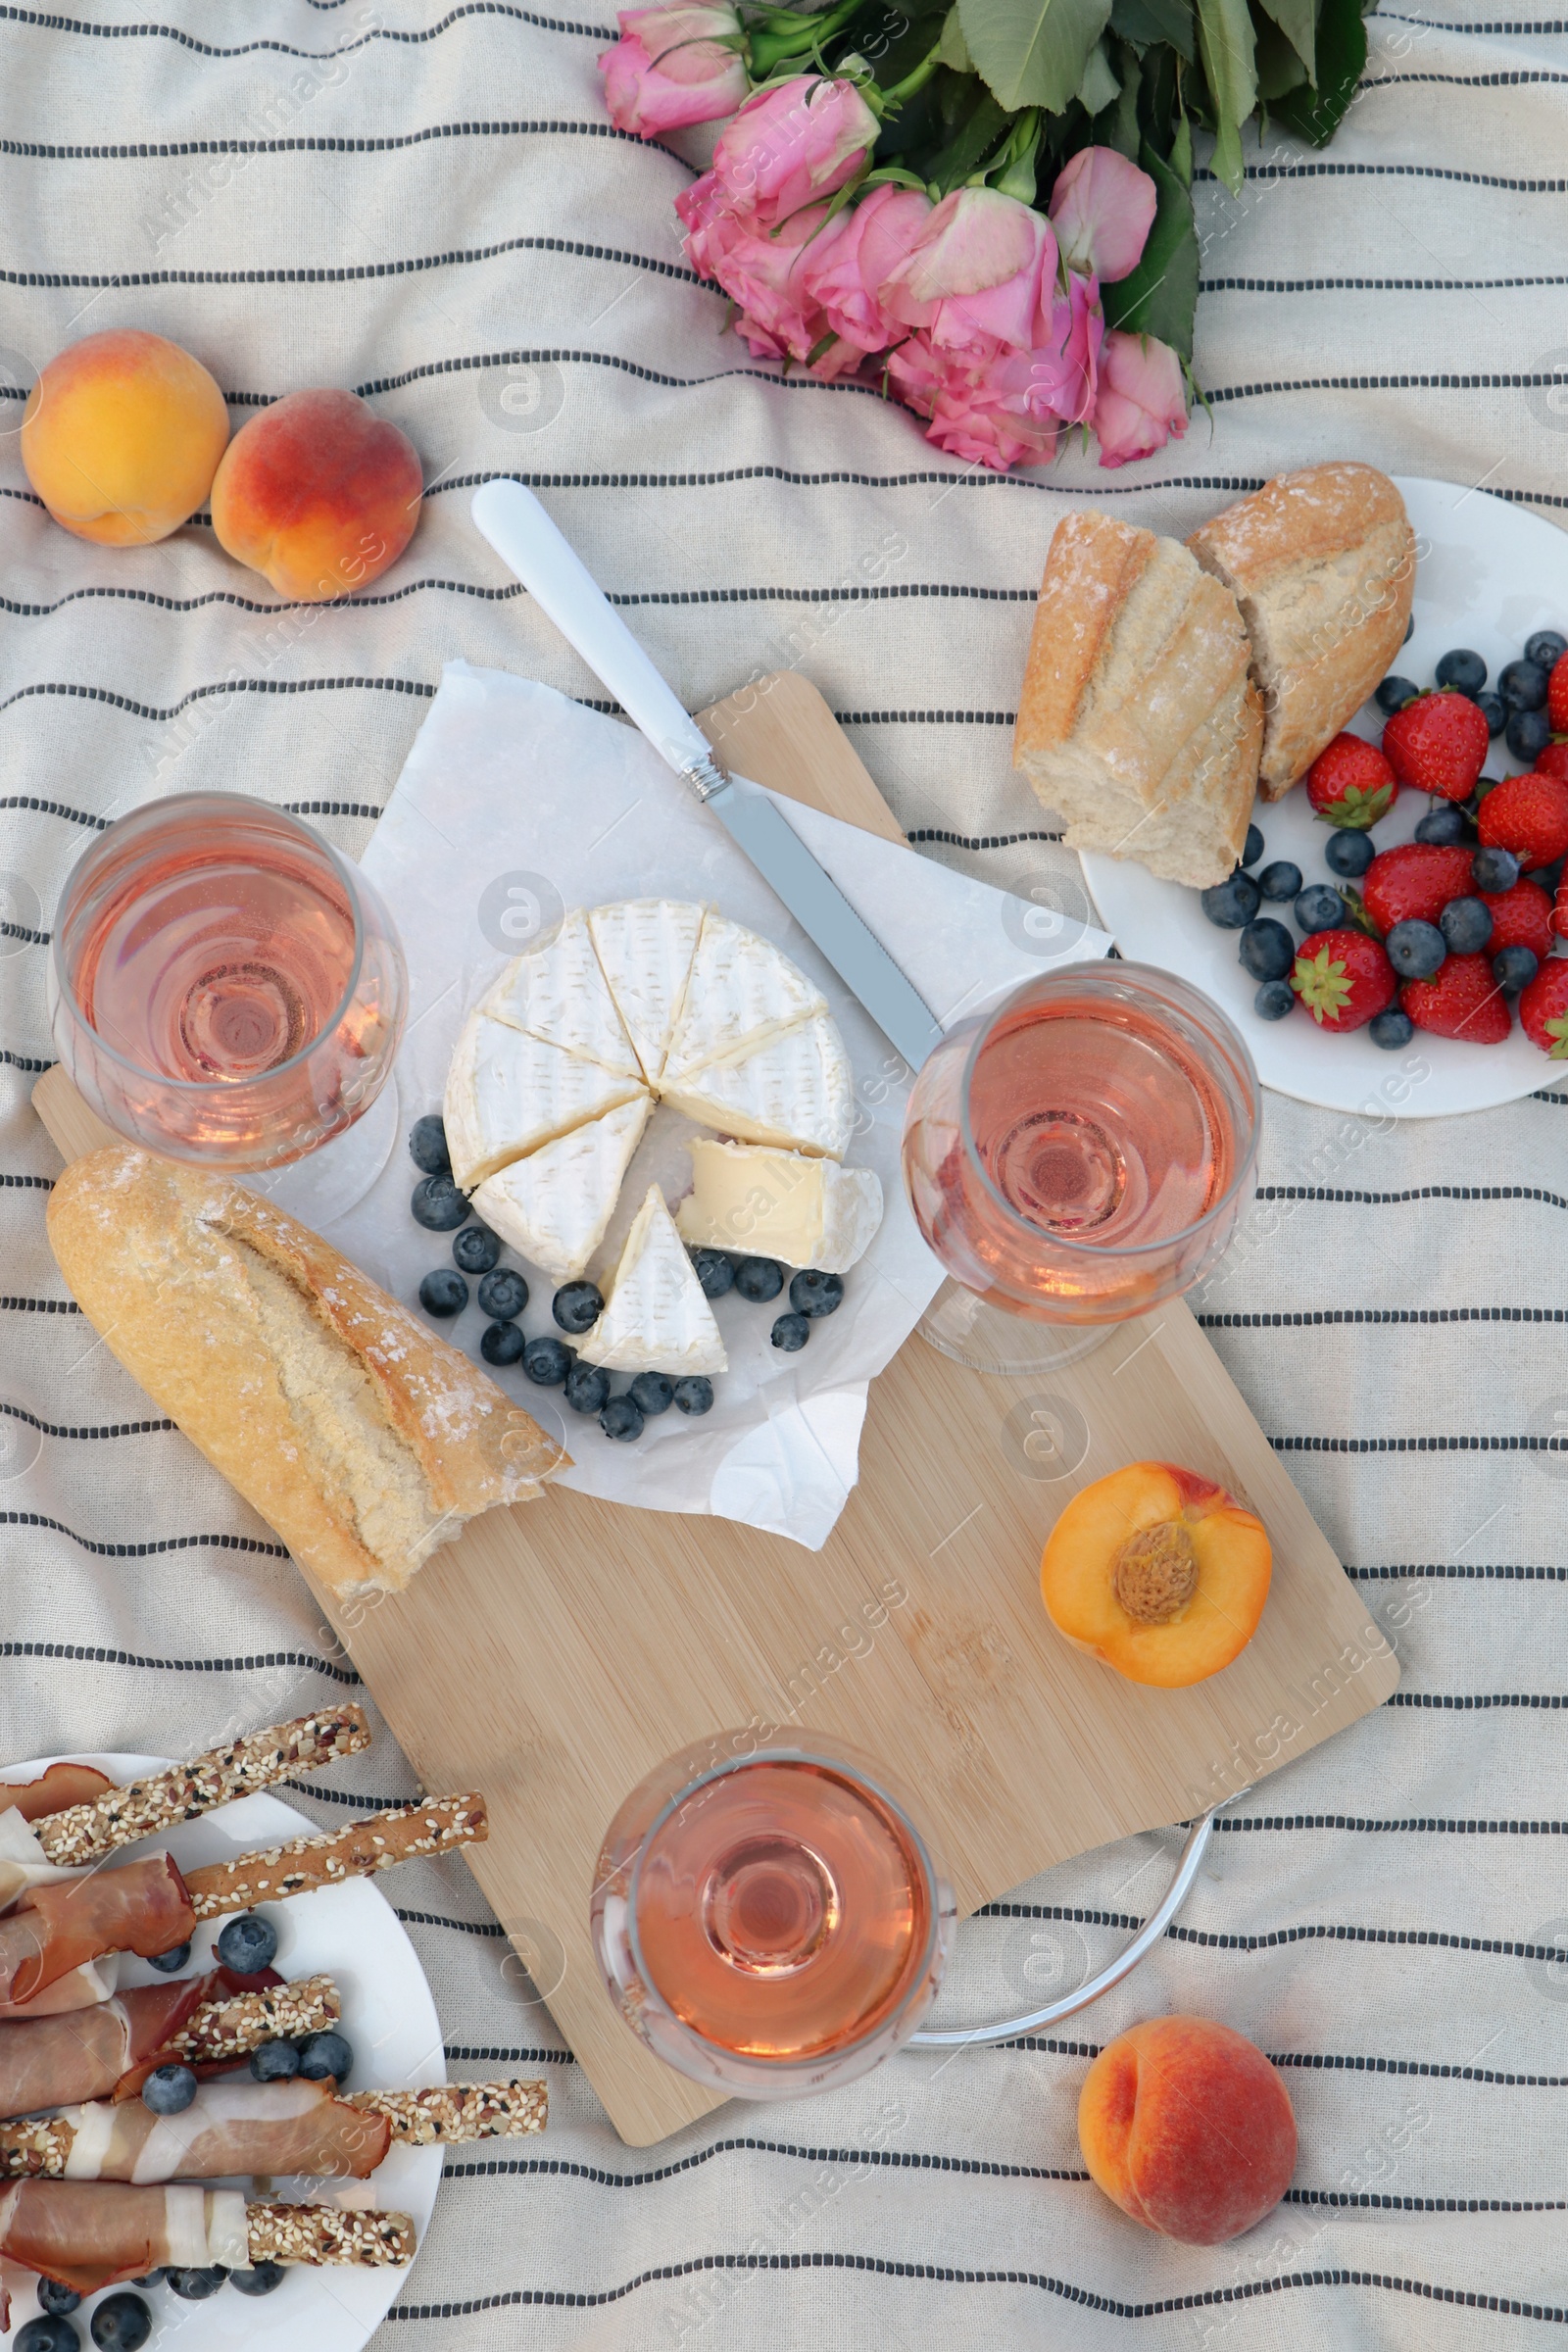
1298 20
1160 295
1033 52
953 48
1229 51
1316 115
1099 87
1150 21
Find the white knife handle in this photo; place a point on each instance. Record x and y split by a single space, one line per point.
554 575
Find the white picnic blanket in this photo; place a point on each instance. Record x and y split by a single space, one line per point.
424 200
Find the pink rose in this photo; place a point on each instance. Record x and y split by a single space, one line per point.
846 274
1140 399
974 278
987 416
673 65
780 316
1066 358
1103 208
787 147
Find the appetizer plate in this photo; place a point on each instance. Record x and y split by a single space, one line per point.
352 1934
1487 576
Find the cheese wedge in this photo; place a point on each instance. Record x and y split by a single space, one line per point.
554 1205
742 992
645 948
560 993
808 1212
795 1093
509 1093
655 1318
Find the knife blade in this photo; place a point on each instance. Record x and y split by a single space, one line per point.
532 546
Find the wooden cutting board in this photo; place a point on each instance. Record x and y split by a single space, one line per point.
557 1651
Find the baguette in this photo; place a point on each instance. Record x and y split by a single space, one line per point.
364 1440
1139 722
1322 564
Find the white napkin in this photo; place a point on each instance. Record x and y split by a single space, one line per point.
516 803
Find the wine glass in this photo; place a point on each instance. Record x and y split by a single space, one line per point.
222 985
1075 1156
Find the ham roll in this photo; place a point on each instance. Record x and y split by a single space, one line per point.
89 2234
108 2051
55 1930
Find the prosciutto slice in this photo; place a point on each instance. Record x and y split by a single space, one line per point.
61 1785
229 2129
88 2233
143 1907
57 2061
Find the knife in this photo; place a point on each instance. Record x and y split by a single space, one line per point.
529 544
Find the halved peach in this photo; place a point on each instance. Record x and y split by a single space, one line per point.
1157 1571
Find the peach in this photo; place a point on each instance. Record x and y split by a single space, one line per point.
121 436
318 494
1159 1572
1187 2126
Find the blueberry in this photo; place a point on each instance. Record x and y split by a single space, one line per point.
1232 902
501 1343
1266 950
1252 848
1513 968
587 1389
168 2089
813 1292
1391 1029
259 2282
121 2322
275 2062
1349 852
194 2287
1462 669
547 1362
1495 869
1528 734
438 1206
52 2334
1445 821
577 1307
475 1248
55 2297
1274 999
1319 909
651 1393
1410 630
1522 685
502 1294
443 1293
248 1943
790 1332
325 2057
171 1963
694 1395
1495 711
427 1146
1394 694
623 1417
1548 877
1416 949
1466 925
1280 880
758 1279
1545 648
152 2277
714 1271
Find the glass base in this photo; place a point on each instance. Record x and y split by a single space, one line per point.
988 1338
327 1183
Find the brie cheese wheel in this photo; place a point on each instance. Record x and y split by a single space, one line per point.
645 948
554 1205
559 993
655 1318
808 1212
508 1093
741 993
795 1093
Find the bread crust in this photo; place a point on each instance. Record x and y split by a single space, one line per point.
161 1260
1091 565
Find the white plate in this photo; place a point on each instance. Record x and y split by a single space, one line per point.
1488 576
352 1934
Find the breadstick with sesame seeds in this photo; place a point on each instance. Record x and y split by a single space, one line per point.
453 2111
89 2234
400 1835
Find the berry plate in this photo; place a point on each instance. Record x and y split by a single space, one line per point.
1487 576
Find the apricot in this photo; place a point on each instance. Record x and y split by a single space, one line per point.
1185 2126
318 494
1159 1572
121 436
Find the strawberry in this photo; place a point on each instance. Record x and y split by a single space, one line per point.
1557 695
1553 762
1342 978
1527 814
1559 911
1350 783
1438 743
1461 1000
1414 883
1544 1004
1521 918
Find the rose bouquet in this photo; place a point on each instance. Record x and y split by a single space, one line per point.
986 207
